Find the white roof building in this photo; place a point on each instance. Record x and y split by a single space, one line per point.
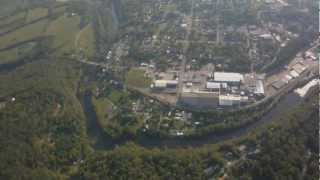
213 85
164 83
294 74
299 68
259 87
160 84
230 100
228 77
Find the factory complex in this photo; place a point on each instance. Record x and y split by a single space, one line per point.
206 88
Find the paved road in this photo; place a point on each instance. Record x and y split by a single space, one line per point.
185 50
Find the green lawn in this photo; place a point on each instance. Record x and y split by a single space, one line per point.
136 78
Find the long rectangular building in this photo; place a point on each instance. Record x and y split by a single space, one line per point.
227 77
230 100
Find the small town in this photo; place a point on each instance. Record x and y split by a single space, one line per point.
159 89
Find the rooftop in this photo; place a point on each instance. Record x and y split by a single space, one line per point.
228 77
213 85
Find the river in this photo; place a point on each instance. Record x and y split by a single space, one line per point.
103 141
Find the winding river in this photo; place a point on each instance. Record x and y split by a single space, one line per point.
103 141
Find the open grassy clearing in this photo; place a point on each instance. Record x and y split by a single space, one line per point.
22 18
36 13
15 17
85 41
137 78
115 96
16 53
64 29
8 56
23 34
58 9
8 6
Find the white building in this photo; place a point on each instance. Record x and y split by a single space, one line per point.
226 77
213 86
165 84
230 100
259 89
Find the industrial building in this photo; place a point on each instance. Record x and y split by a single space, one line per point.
208 89
231 100
215 86
161 84
279 84
259 89
299 68
229 78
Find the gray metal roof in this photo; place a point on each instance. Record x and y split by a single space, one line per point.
228 77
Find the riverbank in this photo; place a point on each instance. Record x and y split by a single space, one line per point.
103 141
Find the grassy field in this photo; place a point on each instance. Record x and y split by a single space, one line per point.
103 108
115 96
136 78
8 56
64 29
25 33
85 40
36 14
10 19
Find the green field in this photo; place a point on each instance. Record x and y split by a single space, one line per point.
64 29
85 41
23 34
13 18
136 78
8 56
36 14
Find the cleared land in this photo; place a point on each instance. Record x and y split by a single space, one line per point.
85 41
23 34
137 78
36 13
64 30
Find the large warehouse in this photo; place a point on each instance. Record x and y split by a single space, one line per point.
230 78
231 100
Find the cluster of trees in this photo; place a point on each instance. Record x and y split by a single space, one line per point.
289 151
296 21
230 57
37 139
133 162
290 50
